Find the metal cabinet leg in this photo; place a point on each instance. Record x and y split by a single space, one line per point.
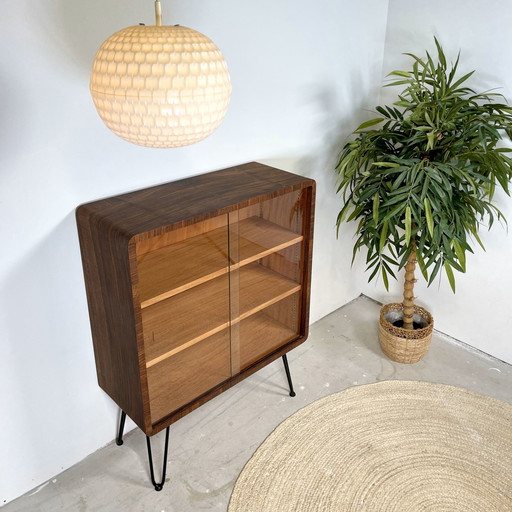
288 376
119 439
158 486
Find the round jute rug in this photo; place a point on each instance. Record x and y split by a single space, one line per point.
394 446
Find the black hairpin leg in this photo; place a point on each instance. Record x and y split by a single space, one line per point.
158 486
119 440
288 376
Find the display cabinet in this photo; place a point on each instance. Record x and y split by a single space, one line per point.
194 285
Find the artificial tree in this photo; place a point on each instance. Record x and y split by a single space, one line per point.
420 179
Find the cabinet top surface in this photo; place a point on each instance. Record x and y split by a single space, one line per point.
203 195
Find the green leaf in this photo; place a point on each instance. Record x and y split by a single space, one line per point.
394 212
434 273
428 215
388 269
374 273
417 59
477 238
376 200
382 111
429 120
383 236
440 53
397 82
385 164
430 140
389 260
461 80
372 258
454 69
403 103
421 265
430 64
357 245
407 225
341 216
441 194
385 279
449 273
367 124
400 73
461 255
424 190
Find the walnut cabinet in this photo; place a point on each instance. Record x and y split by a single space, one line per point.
194 285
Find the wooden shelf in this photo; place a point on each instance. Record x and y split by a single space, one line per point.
259 335
183 265
259 238
180 322
188 374
176 268
260 288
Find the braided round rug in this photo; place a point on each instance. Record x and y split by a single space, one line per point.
395 446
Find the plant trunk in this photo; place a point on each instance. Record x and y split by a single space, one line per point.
408 302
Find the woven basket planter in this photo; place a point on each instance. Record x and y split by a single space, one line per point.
404 345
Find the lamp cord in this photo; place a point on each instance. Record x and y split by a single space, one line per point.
158 13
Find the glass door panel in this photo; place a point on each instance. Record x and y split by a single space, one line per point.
179 379
184 297
266 242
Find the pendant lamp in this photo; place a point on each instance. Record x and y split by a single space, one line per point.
160 86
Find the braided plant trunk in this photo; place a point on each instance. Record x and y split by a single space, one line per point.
408 302
405 344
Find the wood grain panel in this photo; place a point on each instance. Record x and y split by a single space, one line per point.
156 210
185 319
249 211
183 265
234 289
108 280
178 235
187 375
286 311
260 287
308 223
260 335
285 262
258 237
285 211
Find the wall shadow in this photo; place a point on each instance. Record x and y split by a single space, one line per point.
52 379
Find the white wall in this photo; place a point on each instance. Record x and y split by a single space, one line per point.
301 71
480 311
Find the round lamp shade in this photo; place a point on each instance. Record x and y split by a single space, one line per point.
160 86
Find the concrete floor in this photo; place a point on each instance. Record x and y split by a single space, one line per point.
210 446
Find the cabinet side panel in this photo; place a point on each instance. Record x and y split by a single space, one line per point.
109 296
309 221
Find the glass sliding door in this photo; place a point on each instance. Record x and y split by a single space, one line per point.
266 243
184 297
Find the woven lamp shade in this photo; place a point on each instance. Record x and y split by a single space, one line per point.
160 86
